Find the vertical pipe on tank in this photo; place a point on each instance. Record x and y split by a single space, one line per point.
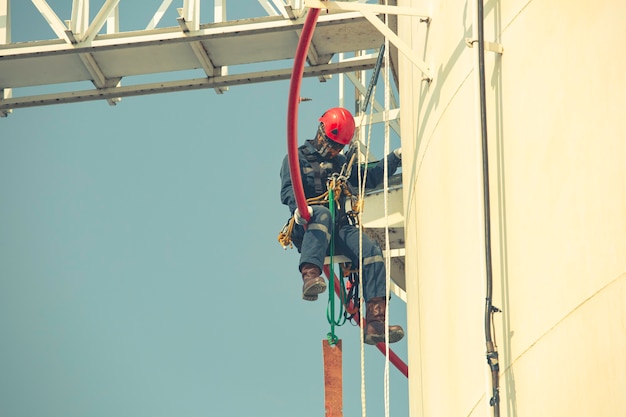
479 71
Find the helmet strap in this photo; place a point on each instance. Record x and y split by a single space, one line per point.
323 143
324 149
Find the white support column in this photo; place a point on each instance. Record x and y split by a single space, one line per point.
80 17
113 26
5 38
220 11
99 21
191 14
5 22
113 21
220 16
342 82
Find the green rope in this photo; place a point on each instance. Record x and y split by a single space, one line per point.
330 310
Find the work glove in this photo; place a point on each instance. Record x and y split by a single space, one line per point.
301 220
398 153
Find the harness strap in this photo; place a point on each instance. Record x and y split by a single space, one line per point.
317 169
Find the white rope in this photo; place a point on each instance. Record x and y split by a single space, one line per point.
362 159
361 334
385 197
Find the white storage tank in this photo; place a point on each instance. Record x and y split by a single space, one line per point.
555 101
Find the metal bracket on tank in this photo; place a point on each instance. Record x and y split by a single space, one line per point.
489 46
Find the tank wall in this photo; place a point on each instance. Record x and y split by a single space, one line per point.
557 154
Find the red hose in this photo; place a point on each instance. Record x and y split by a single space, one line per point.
292 110
292 147
393 358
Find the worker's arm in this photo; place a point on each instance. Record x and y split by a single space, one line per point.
287 196
376 170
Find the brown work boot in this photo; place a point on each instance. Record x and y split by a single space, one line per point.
314 283
375 323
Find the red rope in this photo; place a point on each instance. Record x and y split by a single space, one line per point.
393 358
292 147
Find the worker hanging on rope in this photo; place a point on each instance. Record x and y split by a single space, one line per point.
321 164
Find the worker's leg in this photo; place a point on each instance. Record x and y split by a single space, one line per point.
315 240
373 274
374 280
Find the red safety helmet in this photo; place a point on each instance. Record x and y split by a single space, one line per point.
338 125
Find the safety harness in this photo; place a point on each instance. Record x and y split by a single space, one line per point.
346 204
344 207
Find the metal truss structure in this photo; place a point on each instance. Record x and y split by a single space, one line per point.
216 54
94 60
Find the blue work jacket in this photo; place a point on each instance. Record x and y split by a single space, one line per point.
316 170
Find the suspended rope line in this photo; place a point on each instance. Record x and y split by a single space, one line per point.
386 203
382 347
374 79
362 177
394 359
364 154
371 88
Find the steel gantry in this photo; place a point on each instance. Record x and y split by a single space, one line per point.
112 62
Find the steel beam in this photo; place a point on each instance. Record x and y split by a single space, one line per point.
156 37
183 85
81 53
369 8
219 15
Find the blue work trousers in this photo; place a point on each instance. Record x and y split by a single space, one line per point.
313 244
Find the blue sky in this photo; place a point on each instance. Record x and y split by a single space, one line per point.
140 274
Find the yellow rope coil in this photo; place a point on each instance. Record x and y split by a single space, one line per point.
340 188
284 236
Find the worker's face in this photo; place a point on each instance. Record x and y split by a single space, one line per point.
328 148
